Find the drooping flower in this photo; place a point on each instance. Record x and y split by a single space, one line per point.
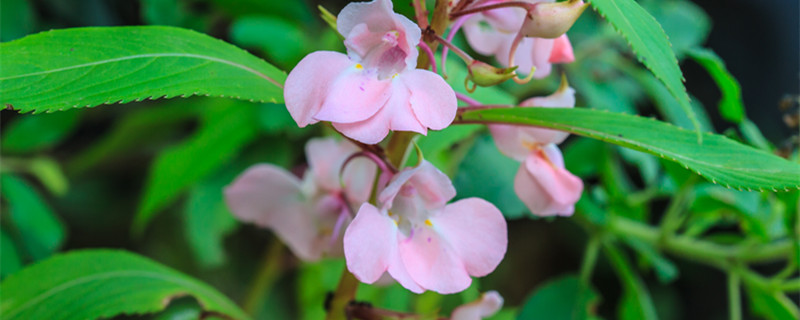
307 215
375 87
420 240
542 182
492 33
486 306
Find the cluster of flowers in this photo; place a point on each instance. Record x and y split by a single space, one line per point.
411 232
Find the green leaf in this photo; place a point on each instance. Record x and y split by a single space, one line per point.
29 133
16 19
49 173
224 130
41 231
90 284
171 13
286 45
10 260
488 174
562 298
208 220
685 23
636 303
84 67
650 44
771 305
718 159
666 271
731 107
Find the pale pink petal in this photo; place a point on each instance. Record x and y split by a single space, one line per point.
476 230
358 177
325 158
504 20
355 95
563 98
370 242
541 49
432 99
488 304
270 197
425 180
309 82
483 38
508 139
369 131
398 271
546 188
399 108
562 51
379 19
433 263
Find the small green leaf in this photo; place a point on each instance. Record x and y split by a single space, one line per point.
563 298
223 131
208 220
10 260
771 305
718 159
41 231
84 67
49 173
684 22
29 133
285 45
488 174
91 284
731 107
650 44
666 271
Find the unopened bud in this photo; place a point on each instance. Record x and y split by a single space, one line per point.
484 74
551 20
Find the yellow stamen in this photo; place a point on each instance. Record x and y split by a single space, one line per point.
428 222
359 66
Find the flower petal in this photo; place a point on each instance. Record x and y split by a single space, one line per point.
370 243
477 231
432 99
309 82
269 196
562 51
508 139
432 185
379 18
369 131
433 263
484 38
355 95
545 187
489 303
563 98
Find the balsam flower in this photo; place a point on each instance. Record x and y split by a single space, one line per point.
542 182
486 306
420 240
306 215
492 33
375 87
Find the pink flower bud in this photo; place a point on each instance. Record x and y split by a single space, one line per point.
551 20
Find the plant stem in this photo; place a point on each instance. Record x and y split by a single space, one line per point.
397 151
734 296
267 273
345 292
791 285
673 218
700 250
590 259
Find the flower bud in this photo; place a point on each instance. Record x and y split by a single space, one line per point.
484 74
551 20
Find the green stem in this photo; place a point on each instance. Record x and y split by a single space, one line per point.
700 250
590 259
734 296
398 150
268 272
674 216
791 285
345 292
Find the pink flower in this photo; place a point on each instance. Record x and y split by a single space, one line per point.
420 240
488 304
544 186
492 33
307 215
542 182
375 87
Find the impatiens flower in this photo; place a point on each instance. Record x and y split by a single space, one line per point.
492 32
488 304
542 182
544 186
375 87
420 240
306 215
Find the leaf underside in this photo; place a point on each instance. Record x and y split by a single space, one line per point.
85 67
650 44
718 159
